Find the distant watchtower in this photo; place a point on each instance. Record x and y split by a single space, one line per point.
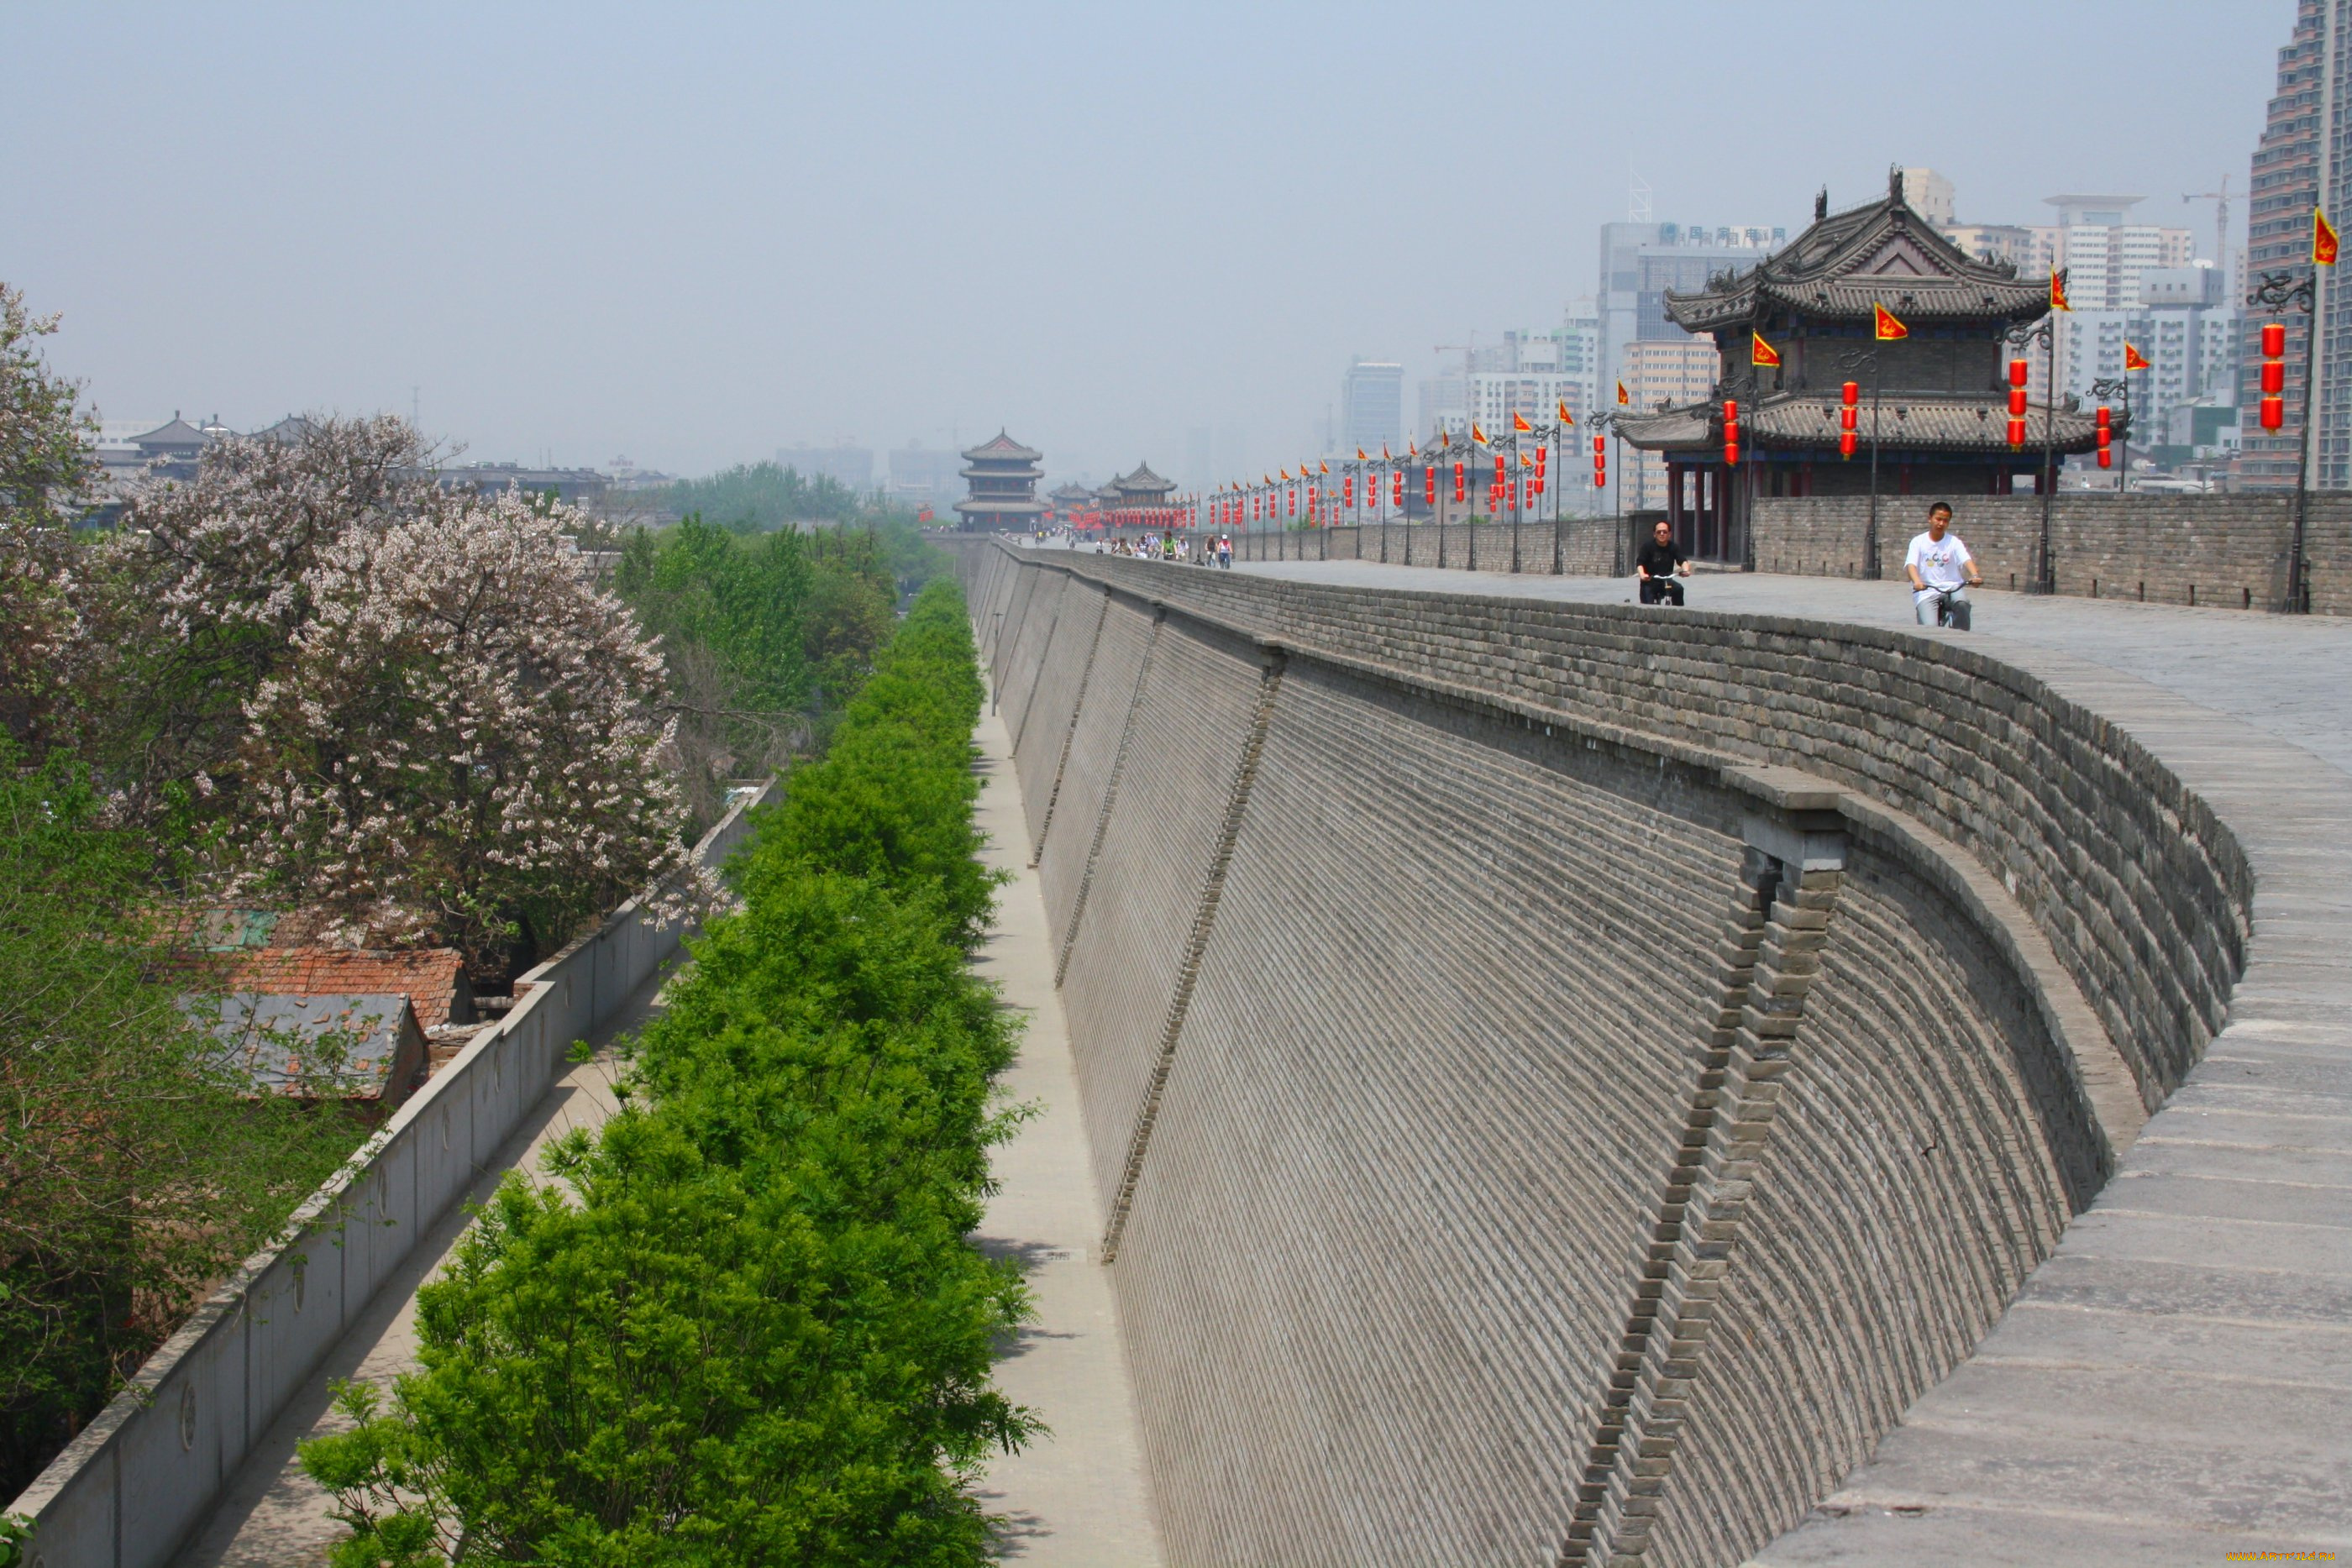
1001 476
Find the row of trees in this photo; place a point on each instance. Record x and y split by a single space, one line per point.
316 678
742 1322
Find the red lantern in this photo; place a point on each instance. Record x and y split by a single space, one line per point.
2019 371
1846 443
2273 413
2274 377
2273 340
2107 434
2017 432
1498 468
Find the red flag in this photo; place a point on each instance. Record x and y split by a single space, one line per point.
2322 239
1889 330
2134 359
1761 353
2058 292
1519 421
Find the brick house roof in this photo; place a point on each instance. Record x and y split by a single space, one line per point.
434 980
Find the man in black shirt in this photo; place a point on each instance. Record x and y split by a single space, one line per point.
1660 561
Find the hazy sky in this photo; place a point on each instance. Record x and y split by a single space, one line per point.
695 234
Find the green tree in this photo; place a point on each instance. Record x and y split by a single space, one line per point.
133 1170
45 467
746 1325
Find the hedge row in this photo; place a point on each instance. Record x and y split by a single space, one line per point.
746 1325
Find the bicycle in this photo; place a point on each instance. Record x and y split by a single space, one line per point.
1951 608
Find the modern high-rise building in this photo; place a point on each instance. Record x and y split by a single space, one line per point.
1660 375
2285 187
1640 261
1931 196
1580 352
849 466
1371 405
2184 325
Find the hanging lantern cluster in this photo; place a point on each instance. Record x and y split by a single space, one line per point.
1539 471
2017 371
2273 413
1461 483
1849 417
2107 434
1731 433
1599 463
1347 491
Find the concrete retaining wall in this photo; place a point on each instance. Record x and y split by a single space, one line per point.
126 1493
1565 1084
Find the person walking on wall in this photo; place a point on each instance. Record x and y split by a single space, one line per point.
1661 562
1942 571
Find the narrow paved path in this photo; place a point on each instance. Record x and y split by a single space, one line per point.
275 1516
1077 1497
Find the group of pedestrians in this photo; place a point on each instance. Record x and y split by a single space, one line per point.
1181 548
1940 568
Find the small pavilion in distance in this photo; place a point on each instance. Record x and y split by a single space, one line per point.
1000 478
1140 499
1941 393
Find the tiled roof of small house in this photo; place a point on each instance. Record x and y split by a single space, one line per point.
434 980
363 1047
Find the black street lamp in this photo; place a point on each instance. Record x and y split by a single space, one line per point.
1854 359
2119 386
2046 332
2278 291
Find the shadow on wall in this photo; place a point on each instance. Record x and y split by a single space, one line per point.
1538 1121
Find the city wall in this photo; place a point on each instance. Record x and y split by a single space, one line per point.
148 1470
1562 1084
2219 551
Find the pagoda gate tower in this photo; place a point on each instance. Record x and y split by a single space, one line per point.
1002 478
1936 398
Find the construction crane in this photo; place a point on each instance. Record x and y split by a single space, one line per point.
2221 200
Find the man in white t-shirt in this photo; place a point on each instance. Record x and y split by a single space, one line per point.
1942 570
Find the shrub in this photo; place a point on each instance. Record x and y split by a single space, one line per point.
746 1324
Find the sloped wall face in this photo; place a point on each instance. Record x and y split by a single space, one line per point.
1158 831
1394 1204
1529 1139
1066 840
1912 1181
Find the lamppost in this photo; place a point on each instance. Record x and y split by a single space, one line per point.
1854 359
2113 386
2278 291
2046 332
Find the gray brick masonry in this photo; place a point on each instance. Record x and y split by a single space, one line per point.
1553 1156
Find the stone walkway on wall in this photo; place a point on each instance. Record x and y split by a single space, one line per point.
1079 1497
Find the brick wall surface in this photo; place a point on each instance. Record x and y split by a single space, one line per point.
1905 1195
1186 731
2229 550
1501 1123
2139 888
1063 670
1397 1187
1128 635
